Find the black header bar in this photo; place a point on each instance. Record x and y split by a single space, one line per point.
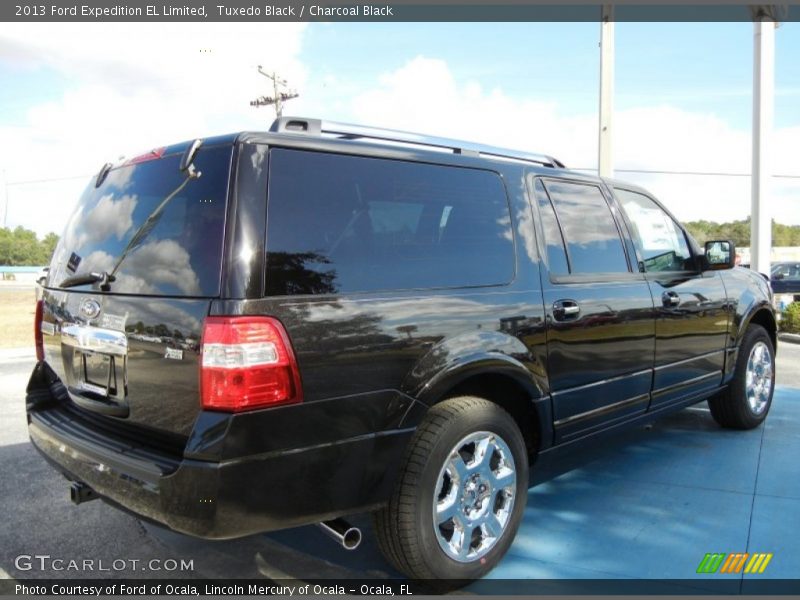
237 11
244 588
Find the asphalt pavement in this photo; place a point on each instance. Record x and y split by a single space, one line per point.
658 465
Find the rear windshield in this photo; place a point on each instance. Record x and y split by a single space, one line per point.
178 253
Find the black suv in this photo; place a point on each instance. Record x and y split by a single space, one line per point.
785 278
264 330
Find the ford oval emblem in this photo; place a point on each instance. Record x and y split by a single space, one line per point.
90 308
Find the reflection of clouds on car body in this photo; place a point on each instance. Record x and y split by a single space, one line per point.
525 219
400 309
156 262
575 207
165 262
257 159
108 217
120 178
99 261
167 312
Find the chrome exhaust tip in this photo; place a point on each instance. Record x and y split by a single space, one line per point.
341 531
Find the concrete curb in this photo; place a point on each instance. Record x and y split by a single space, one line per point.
19 353
791 338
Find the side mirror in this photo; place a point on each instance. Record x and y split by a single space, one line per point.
778 276
720 254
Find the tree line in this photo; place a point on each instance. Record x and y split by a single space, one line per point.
21 247
739 232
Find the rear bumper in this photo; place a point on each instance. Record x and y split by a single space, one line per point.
224 499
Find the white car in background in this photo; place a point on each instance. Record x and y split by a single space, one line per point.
41 278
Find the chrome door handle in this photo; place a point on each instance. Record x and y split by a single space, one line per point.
670 299
564 310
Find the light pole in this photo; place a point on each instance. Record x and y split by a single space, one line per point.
605 158
764 23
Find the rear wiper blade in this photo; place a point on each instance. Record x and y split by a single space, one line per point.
187 167
87 278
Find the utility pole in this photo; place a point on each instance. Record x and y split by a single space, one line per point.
278 97
4 181
605 158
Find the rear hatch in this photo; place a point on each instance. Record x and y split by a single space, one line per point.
130 283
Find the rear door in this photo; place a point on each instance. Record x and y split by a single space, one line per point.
692 317
128 352
600 335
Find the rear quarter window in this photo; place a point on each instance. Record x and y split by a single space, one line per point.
340 223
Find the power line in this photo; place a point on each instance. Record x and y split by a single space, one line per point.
31 181
278 96
699 173
590 169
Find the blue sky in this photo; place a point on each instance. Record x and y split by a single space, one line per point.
697 66
683 97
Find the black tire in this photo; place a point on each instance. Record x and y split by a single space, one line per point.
405 528
732 407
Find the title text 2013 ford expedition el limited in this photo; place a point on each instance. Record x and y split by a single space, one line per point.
263 330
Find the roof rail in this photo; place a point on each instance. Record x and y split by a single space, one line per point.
317 127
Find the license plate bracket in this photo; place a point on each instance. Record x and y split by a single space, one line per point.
99 373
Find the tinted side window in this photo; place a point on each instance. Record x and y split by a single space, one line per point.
659 240
789 271
591 235
554 242
343 224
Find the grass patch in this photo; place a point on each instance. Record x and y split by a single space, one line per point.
790 318
17 311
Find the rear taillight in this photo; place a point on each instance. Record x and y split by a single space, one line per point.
37 331
247 363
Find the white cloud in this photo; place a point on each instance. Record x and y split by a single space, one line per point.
127 89
449 108
130 88
658 137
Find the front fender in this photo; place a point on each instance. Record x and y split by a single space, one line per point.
751 301
747 315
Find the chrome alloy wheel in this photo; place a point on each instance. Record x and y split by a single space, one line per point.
759 377
475 496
